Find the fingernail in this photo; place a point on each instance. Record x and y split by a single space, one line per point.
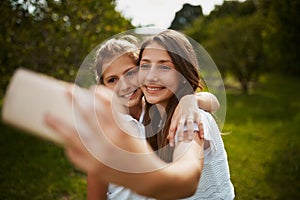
171 144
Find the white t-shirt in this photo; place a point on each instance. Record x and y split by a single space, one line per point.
117 192
215 181
122 193
215 178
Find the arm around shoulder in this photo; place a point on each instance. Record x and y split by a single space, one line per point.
207 101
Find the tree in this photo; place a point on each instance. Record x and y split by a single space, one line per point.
54 37
234 8
281 34
236 46
232 34
185 16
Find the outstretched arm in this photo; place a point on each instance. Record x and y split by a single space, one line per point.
96 188
97 146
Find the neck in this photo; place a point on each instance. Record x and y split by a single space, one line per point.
136 111
161 109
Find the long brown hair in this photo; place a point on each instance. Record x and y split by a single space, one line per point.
184 58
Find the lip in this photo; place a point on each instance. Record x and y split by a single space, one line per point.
151 89
129 95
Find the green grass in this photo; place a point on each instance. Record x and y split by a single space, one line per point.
36 169
263 147
263 150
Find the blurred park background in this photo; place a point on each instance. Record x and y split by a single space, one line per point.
254 43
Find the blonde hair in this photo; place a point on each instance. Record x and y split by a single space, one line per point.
113 49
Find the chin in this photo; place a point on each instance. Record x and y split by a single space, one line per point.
131 104
152 101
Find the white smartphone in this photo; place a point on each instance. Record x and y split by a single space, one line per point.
29 97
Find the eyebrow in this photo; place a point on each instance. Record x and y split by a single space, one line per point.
109 77
129 69
159 61
116 76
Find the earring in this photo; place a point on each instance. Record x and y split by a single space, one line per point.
184 81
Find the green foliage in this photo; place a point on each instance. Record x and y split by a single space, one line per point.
235 44
56 36
282 34
234 9
239 48
232 34
248 38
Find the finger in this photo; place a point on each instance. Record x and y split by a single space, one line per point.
190 127
108 120
70 91
174 121
180 128
200 125
106 105
102 92
67 133
81 140
173 127
81 98
172 131
172 141
201 131
83 108
84 161
78 159
171 138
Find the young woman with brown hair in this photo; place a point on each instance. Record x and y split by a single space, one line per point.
168 72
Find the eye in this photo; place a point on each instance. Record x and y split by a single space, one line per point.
145 66
111 80
131 72
164 67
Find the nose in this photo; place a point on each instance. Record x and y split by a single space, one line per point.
124 85
152 75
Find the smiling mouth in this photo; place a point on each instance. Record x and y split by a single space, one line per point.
129 94
153 89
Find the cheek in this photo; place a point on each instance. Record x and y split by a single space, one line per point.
172 81
121 85
134 81
141 77
109 86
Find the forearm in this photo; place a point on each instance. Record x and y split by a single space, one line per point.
96 188
156 179
207 101
182 175
114 156
185 171
174 180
